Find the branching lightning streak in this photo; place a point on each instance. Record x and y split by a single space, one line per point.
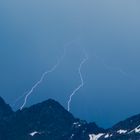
81 78
43 76
38 83
111 67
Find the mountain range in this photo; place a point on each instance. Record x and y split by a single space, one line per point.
50 121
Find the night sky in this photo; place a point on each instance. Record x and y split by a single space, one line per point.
33 35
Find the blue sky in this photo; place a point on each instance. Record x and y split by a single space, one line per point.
32 37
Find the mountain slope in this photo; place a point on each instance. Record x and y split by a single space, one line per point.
128 129
5 109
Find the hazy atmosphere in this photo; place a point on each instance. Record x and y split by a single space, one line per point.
33 35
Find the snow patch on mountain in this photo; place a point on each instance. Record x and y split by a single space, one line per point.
95 137
108 135
136 130
121 131
34 133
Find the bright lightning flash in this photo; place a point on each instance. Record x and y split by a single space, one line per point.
81 78
43 76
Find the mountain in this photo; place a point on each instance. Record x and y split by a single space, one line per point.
50 121
44 121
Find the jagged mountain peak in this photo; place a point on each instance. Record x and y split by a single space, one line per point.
46 109
47 104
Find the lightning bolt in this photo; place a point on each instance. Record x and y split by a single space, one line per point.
81 79
45 75
38 83
111 68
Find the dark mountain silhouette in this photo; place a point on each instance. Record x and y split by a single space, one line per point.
50 121
44 121
128 129
5 109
